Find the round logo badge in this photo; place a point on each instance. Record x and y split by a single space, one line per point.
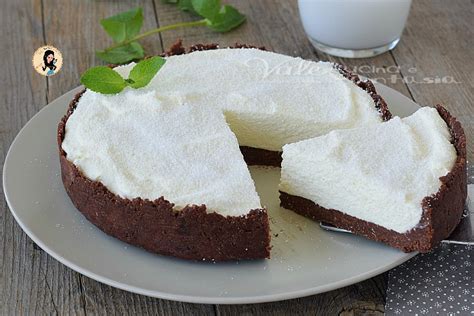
47 60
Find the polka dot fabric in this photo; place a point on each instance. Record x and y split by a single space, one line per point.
436 283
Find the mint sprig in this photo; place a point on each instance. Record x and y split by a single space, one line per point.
122 54
226 19
124 28
144 71
186 5
207 8
105 80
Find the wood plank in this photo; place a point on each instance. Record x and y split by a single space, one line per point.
273 24
78 51
438 43
26 273
103 299
366 297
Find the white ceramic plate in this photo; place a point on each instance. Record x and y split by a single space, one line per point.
305 259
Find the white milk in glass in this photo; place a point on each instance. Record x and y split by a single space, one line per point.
354 28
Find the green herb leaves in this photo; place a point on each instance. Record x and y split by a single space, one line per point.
186 5
219 18
206 8
227 19
124 28
144 71
105 80
122 54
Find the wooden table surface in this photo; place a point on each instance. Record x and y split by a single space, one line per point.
432 64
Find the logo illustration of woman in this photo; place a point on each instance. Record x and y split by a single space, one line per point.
49 62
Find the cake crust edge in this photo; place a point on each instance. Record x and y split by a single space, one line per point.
442 211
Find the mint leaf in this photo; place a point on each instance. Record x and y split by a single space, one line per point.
144 71
123 26
227 19
103 79
122 54
207 8
186 5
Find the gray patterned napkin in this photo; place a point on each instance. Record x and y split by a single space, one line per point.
437 283
440 282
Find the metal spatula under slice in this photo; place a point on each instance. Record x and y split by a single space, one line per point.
464 232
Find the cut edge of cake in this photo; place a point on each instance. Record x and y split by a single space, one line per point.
259 156
441 212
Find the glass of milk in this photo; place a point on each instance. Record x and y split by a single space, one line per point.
354 28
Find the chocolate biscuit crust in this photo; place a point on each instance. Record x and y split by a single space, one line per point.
442 211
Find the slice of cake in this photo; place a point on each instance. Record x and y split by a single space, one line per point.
160 167
402 182
126 152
